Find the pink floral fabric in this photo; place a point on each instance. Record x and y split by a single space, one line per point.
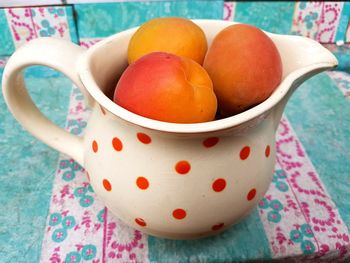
317 20
28 23
299 216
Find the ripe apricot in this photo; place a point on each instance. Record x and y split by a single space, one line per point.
245 67
179 36
166 87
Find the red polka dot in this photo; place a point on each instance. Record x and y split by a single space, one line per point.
144 138
107 185
117 144
94 146
219 185
267 151
102 110
244 152
217 227
210 142
140 222
183 167
251 194
142 183
179 213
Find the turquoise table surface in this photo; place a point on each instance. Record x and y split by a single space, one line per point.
27 169
319 113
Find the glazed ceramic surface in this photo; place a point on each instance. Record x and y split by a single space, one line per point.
171 180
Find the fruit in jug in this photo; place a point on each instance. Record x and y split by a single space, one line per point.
245 67
175 35
166 87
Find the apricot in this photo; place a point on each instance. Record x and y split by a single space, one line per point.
245 67
175 35
166 87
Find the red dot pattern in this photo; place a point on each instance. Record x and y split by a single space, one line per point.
267 151
251 194
219 185
179 214
144 138
94 146
181 167
210 142
217 227
140 222
117 144
107 185
244 153
142 183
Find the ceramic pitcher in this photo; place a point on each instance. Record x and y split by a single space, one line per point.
170 180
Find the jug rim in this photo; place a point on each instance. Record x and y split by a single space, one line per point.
278 94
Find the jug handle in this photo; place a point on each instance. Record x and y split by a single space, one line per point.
60 55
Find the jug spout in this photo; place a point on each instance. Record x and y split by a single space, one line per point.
302 58
302 54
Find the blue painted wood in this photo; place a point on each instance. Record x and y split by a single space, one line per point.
6 44
105 19
274 17
27 168
343 23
